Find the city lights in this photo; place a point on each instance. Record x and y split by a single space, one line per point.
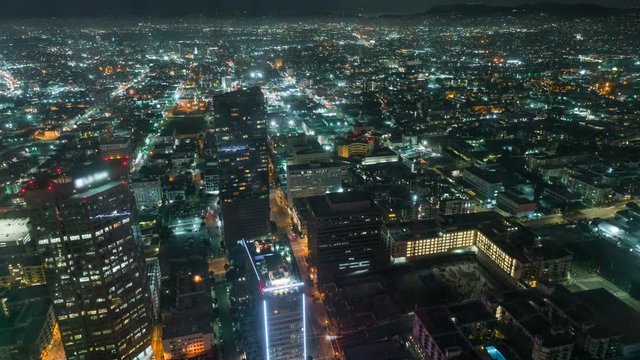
279 182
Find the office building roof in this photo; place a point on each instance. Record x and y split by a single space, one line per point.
273 265
14 230
342 203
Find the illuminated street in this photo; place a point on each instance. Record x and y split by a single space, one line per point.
224 326
55 350
467 174
584 214
583 279
156 343
322 346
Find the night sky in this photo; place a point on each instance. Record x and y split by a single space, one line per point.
181 7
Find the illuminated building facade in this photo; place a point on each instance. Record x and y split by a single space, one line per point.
193 343
94 267
241 136
19 263
412 240
344 232
211 178
355 149
438 244
279 300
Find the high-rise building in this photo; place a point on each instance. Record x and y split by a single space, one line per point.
345 234
278 301
82 225
241 136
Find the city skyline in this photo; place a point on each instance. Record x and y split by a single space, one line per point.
70 8
461 183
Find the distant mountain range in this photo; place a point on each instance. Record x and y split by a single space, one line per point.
557 9
253 8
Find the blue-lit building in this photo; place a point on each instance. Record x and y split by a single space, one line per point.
278 301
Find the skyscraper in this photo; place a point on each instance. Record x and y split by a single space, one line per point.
94 267
345 235
241 136
278 301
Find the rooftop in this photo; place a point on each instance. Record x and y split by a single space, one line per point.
432 228
96 190
439 322
342 203
13 230
314 166
273 264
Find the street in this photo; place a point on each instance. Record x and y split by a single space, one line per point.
321 345
584 214
225 339
583 279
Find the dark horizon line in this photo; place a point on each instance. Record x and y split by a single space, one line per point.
583 8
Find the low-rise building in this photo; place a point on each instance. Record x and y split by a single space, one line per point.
187 337
27 324
187 330
302 149
147 192
438 331
590 188
356 148
19 264
485 182
516 203
381 156
498 243
523 314
313 179
536 161
119 147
